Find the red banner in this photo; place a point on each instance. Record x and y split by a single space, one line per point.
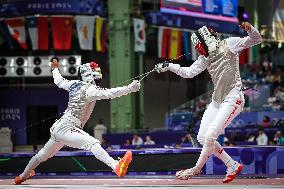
62 32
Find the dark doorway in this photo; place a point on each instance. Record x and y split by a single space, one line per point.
39 121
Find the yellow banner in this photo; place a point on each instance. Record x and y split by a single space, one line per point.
99 26
175 44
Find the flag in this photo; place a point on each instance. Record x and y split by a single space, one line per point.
17 30
85 29
2 40
186 45
38 30
62 32
194 55
175 44
163 39
139 32
6 34
100 35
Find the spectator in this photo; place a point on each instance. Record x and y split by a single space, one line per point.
106 144
149 141
262 138
127 142
99 130
271 143
192 140
227 143
265 121
269 77
251 138
183 140
232 144
188 139
137 140
278 138
277 78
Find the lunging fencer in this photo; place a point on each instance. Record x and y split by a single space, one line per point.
221 59
68 130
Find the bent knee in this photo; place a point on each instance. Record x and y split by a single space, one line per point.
210 139
88 146
201 139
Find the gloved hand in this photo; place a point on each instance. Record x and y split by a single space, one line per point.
54 63
161 67
135 86
245 26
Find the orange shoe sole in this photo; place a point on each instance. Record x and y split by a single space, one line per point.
18 180
232 177
121 168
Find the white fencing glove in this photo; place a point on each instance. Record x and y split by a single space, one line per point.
135 86
162 67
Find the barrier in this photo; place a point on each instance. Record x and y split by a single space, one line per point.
257 160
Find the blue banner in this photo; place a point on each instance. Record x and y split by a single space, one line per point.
191 22
28 7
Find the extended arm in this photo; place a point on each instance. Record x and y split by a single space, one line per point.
237 44
96 93
186 72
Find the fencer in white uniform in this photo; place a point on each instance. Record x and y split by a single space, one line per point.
221 59
83 95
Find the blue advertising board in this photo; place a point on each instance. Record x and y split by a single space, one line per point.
192 22
27 7
212 6
230 8
220 7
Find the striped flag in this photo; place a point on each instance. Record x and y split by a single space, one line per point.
163 40
175 44
6 34
100 35
17 30
85 29
38 30
186 45
194 54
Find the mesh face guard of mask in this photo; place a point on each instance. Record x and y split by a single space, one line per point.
205 41
90 72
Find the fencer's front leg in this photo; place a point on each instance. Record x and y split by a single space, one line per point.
186 174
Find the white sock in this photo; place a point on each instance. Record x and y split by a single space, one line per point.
103 156
33 163
222 155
